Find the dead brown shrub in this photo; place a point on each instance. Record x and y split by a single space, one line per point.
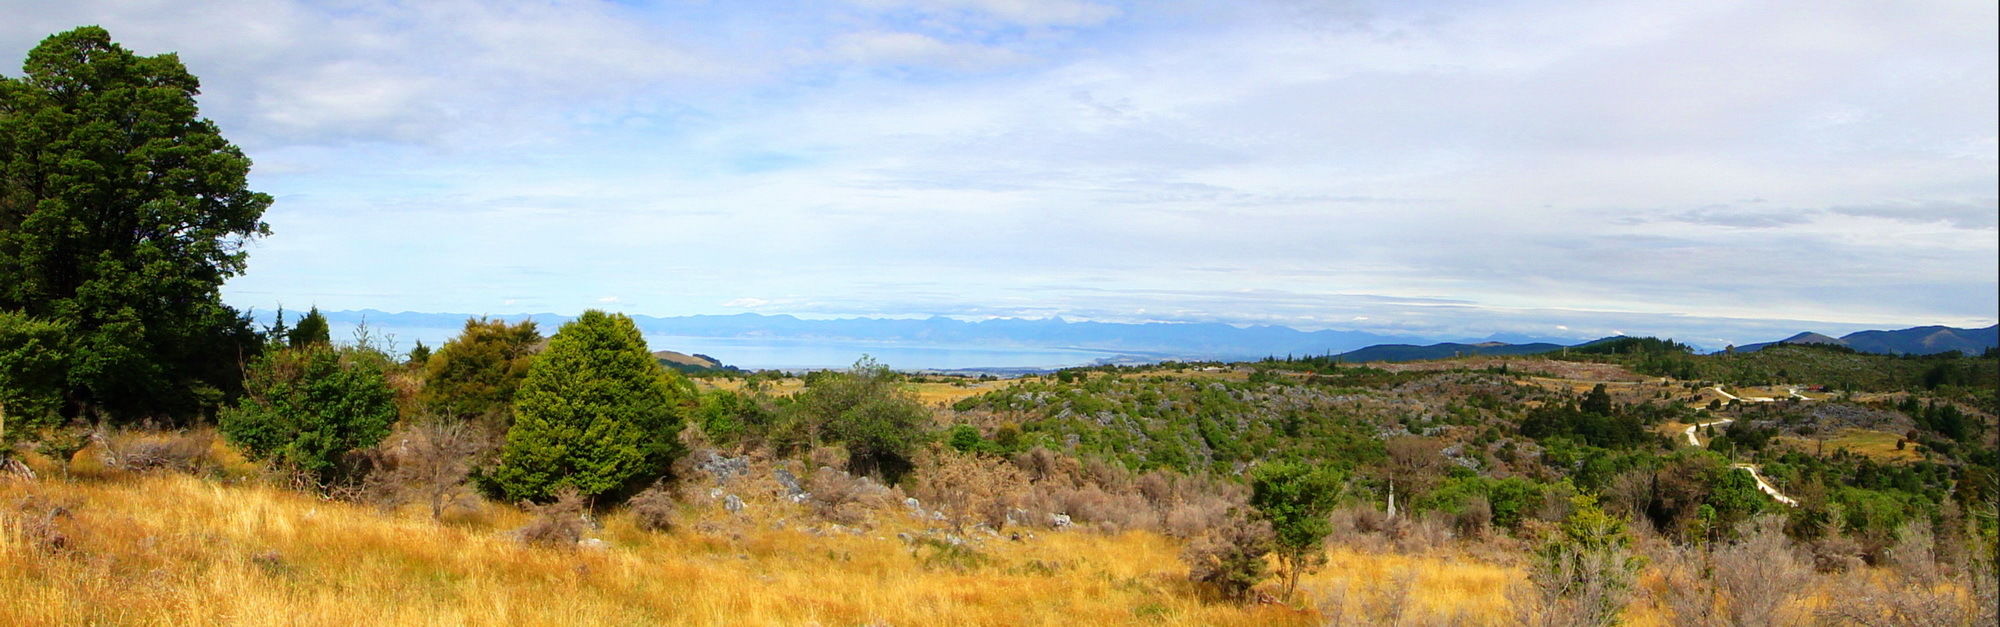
839 497
653 509
1760 574
1090 506
1415 463
1352 520
1686 590
1421 532
1752 581
1044 466
1160 488
559 524
969 488
1106 475
1473 520
1385 603
1865 600
426 462
38 520
1229 560
1835 552
1914 553
828 457
145 452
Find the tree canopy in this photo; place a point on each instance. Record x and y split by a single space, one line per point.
596 413
473 376
1296 498
864 410
308 407
311 329
122 211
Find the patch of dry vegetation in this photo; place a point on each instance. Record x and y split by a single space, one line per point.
178 549
1877 445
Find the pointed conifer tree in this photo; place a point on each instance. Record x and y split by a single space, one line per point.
596 413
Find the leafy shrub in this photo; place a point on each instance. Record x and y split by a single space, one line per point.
32 364
596 413
879 423
308 407
1585 572
474 376
730 418
1296 498
311 329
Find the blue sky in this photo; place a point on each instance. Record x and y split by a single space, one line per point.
1715 171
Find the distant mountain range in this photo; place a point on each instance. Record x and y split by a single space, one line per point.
1158 340
1133 341
1409 352
1912 341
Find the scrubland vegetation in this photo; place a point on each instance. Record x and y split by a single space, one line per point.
166 462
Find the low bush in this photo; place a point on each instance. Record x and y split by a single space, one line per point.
558 524
181 452
428 462
968 488
38 521
842 498
308 408
1229 559
653 509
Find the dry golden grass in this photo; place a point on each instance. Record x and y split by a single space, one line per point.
1876 445
781 387
172 548
932 394
949 393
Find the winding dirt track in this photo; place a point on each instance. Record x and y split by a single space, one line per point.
1765 486
1762 485
1690 430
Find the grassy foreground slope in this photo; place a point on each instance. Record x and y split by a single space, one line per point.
169 548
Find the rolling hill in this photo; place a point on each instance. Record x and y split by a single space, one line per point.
1410 352
1927 340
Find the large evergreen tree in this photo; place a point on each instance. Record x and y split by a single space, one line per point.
596 413
121 214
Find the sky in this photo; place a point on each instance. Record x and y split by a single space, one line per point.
1714 171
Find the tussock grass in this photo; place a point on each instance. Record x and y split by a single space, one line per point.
172 548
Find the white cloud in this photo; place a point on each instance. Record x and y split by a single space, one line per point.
1538 163
898 48
1021 12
